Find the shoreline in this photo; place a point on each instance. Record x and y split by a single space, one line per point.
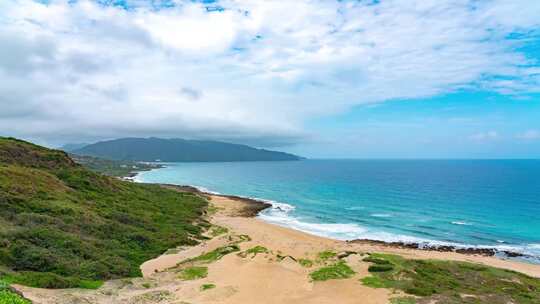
273 273
259 205
415 250
465 249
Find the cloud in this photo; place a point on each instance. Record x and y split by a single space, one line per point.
256 69
485 136
529 135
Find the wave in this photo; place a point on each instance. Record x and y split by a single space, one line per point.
381 215
280 214
205 190
350 231
355 208
461 223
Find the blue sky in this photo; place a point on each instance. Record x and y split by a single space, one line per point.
370 79
467 124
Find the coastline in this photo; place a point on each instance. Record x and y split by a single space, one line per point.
255 206
272 274
412 250
488 251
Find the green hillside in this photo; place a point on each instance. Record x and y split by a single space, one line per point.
62 225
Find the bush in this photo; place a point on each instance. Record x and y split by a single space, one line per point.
75 226
340 270
447 281
194 273
8 297
380 268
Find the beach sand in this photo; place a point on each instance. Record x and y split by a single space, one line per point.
271 277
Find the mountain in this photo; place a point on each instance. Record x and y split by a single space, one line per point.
72 146
62 225
179 150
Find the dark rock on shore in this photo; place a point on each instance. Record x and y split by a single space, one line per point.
442 248
252 206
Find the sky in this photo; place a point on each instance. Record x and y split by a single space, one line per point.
324 79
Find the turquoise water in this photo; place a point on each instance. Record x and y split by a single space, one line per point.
487 203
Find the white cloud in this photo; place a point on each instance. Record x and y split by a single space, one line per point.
257 69
484 136
529 135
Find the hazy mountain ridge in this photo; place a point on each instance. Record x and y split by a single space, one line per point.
179 150
73 146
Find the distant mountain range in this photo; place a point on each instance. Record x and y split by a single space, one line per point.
179 150
72 147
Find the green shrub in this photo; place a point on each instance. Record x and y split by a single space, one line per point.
326 255
403 300
207 286
339 270
305 263
254 251
193 273
8 297
380 268
374 260
218 230
214 255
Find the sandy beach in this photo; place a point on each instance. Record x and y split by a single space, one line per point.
272 275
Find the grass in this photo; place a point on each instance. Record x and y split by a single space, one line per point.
213 255
305 263
403 300
339 270
449 281
193 273
113 167
9 297
380 268
62 225
254 251
326 255
207 286
218 230
212 209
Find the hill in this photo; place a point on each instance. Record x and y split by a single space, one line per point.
118 168
179 150
62 225
72 146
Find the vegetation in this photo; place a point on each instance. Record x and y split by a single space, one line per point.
194 273
216 230
437 281
326 255
62 225
9 297
305 263
178 150
338 270
113 167
403 300
254 251
213 255
207 286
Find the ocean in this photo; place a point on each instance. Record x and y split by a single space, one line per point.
481 203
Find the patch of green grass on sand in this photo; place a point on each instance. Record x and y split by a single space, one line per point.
339 270
437 281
